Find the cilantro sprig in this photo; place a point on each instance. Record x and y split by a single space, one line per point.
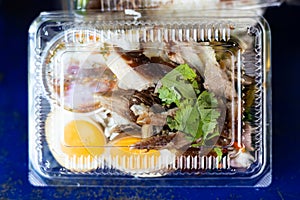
179 84
197 112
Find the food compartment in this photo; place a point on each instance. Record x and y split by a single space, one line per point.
168 100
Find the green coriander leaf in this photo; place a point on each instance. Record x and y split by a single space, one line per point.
173 124
182 116
196 145
193 124
177 82
186 119
219 153
209 127
187 72
207 100
197 113
169 95
212 135
196 87
209 114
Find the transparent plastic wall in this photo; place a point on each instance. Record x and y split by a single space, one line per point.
150 98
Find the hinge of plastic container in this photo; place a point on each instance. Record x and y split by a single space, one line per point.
121 5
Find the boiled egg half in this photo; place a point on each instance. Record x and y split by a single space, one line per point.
138 162
76 141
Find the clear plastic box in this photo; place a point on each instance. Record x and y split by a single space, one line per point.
150 95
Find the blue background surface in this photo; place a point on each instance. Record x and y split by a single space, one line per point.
15 18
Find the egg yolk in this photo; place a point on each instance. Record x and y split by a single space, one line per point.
82 139
128 158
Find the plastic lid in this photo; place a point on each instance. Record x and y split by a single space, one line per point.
120 5
293 2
